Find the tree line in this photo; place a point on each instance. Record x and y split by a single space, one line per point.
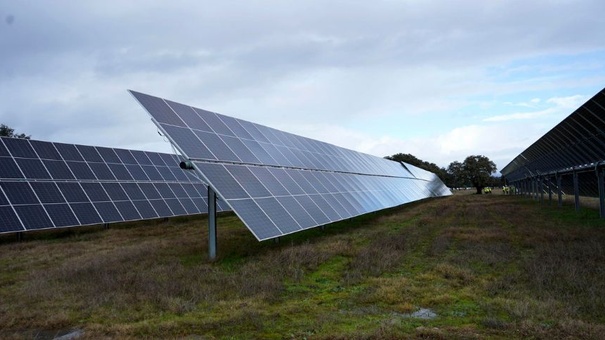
6 131
475 171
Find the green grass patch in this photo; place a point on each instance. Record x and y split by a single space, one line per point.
489 266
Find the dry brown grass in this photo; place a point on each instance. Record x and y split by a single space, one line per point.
490 266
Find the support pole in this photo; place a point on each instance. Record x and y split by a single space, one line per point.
559 190
541 188
211 223
549 190
601 184
576 190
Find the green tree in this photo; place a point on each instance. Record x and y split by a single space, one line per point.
456 176
6 131
478 170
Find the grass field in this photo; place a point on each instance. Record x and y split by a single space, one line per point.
488 266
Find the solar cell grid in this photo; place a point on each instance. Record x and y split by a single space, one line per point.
68 152
278 182
61 215
45 150
71 185
47 192
18 148
32 168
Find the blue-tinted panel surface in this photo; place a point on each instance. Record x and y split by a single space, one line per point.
58 170
72 192
297 211
188 142
69 152
86 213
108 155
115 191
145 209
271 206
34 216
213 120
248 181
108 212
19 148
9 222
164 190
33 168
176 207
126 156
120 172
189 116
45 150
61 215
89 153
189 206
160 111
137 173
296 182
9 168
222 180
95 192
19 193
62 181
127 210
254 217
102 171
47 192
81 170
3 150
161 208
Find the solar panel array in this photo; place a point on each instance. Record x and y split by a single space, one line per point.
280 183
577 142
50 185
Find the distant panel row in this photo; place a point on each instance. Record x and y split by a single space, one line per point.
37 160
577 141
47 185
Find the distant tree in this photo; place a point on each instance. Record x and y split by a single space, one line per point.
415 161
6 131
478 170
456 176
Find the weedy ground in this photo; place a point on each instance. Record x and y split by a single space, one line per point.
489 266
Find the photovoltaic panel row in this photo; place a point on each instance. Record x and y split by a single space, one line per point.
277 201
577 141
47 185
205 135
279 183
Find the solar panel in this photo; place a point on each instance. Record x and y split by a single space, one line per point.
50 185
280 183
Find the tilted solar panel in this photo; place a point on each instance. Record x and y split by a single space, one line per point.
280 183
49 185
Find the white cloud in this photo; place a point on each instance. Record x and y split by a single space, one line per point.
378 77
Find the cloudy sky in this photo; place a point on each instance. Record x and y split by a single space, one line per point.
438 79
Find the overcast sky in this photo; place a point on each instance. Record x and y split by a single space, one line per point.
438 79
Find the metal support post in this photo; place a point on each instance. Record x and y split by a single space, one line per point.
576 190
601 184
541 188
549 191
559 190
211 223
